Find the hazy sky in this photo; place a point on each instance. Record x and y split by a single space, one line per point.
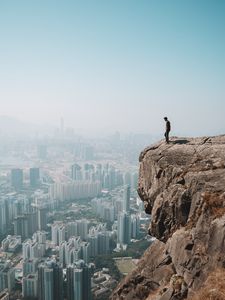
115 64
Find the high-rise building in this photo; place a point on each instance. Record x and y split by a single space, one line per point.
124 228
75 190
126 199
45 283
61 234
112 178
42 218
71 229
32 222
32 249
17 178
20 206
30 287
62 254
25 225
135 226
73 250
34 177
3 220
82 227
58 233
77 284
99 239
134 180
27 244
70 282
30 266
86 282
9 201
78 281
40 237
93 240
104 209
50 281
109 213
103 242
7 276
21 227
86 252
76 173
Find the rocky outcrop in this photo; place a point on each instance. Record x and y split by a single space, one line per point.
182 185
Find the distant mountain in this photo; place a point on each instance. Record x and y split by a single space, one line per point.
11 127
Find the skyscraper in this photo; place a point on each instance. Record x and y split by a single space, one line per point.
40 237
93 240
30 287
34 177
17 178
42 218
2 216
21 227
77 284
124 228
76 173
78 281
103 242
47 292
135 226
126 199
58 233
82 228
25 225
86 251
70 282
86 286
71 229
30 266
50 281
7 276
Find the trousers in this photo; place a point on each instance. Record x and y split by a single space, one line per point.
167 136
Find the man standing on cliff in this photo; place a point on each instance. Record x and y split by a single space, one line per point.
167 129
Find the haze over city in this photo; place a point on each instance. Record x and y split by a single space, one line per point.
85 87
114 65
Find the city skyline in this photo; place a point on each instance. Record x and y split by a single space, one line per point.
58 217
107 66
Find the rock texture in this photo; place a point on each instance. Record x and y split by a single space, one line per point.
182 185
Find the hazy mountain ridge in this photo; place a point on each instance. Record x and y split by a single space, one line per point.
10 127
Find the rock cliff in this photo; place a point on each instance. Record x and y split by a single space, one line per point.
182 185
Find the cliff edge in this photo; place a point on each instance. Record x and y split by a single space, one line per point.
182 185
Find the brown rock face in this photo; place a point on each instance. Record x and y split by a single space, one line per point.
182 185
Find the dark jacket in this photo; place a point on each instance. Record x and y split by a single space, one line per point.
168 125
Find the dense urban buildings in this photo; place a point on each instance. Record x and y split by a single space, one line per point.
64 206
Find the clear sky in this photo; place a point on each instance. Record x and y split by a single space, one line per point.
115 64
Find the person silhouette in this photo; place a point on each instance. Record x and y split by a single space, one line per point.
168 128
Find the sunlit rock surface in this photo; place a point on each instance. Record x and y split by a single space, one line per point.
182 185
